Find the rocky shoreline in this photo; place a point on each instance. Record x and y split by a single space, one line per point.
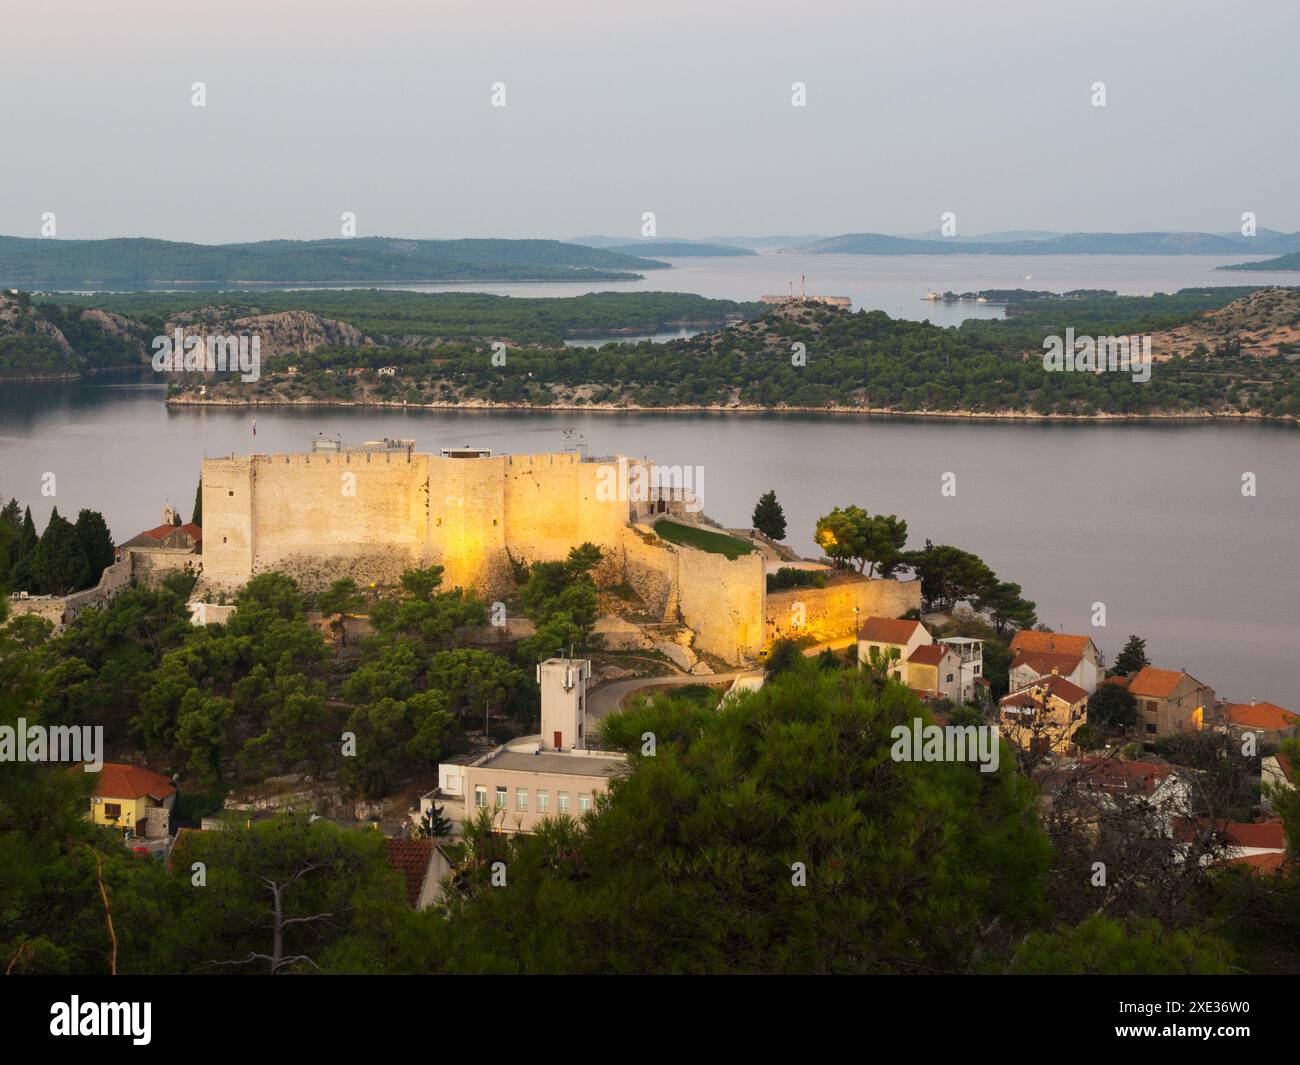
185 400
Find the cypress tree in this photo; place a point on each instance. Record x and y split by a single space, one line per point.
96 543
58 563
198 504
22 575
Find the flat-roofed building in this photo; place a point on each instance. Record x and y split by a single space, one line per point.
555 774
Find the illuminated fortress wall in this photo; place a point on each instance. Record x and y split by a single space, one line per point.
372 514
369 514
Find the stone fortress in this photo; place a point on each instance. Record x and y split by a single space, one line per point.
372 511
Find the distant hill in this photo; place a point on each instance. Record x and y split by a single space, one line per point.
1063 244
133 263
1282 262
678 249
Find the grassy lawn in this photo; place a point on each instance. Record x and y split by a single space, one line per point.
718 543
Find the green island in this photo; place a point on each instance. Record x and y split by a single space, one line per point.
139 262
1217 352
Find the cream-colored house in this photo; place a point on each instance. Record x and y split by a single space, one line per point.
1045 715
935 669
891 636
1037 654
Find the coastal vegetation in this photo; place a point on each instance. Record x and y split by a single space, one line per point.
852 362
777 836
1217 352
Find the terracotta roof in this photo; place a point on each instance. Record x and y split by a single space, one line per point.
1266 716
1044 662
887 630
1156 683
1264 834
1265 864
118 781
163 531
1111 774
1052 686
1257 835
1118 681
1061 643
928 654
411 858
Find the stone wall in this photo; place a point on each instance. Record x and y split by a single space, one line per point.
144 565
372 514
723 601
827 613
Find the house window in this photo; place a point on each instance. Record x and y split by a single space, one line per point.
1151 729
113 809
1151 706
501 796
976 670
230 493
521 800
543 801
949 681
480 796
584 802
562 802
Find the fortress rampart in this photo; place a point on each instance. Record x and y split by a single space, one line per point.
370 513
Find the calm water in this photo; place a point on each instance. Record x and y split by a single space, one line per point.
897 284
1148 519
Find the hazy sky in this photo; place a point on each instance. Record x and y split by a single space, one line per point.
680 107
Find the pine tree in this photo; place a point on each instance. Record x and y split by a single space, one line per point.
1133 657
769 518
434 825
96 543
198 504
58 563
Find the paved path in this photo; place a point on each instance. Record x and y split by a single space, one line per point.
605 700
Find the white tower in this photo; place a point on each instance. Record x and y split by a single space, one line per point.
564 702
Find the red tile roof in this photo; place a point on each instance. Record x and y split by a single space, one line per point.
1111 774
1061 643
1257 835
1045 662
1156 683
1264 864
1268 717
887 630
163 531
411 858
118 781
928 654
1055 686
1263 834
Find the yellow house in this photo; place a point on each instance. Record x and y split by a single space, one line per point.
130 798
